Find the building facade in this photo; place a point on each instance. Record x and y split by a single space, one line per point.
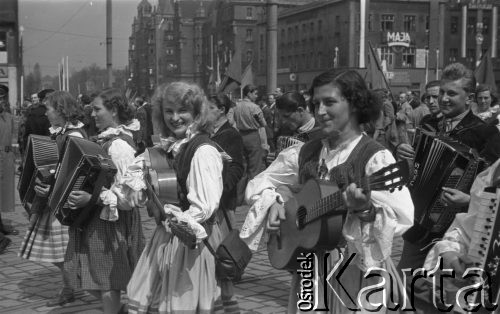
414 39
10 48
166 44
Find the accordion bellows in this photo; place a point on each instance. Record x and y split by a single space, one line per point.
40 162
84 166
439 162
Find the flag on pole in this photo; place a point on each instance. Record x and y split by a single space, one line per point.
484 72
233 74
374 74
247 77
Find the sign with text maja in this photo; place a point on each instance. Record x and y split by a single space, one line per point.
401 39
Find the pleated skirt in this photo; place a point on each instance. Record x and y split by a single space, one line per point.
46 241
171 278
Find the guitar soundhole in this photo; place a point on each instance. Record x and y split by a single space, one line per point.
301 217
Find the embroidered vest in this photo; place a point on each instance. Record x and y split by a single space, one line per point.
343 174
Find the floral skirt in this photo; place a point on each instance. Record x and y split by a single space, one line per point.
46 241
170 278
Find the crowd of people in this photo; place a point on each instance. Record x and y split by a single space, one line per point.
226 154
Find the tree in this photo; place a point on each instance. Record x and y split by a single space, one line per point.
37 76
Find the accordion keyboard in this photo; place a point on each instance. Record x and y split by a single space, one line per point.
484 250
80 180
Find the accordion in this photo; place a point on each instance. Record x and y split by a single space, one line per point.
40 162
84 166
439 162
283 142
484 249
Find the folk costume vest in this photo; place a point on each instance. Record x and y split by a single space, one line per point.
343 174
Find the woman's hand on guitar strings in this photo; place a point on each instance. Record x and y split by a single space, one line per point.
454 198
78 199
356 199
276 214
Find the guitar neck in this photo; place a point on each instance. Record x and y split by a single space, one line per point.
328 205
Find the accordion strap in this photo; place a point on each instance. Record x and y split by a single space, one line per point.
99 183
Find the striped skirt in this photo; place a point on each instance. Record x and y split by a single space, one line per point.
171 278
46 241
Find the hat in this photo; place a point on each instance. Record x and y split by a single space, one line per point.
4 90
43 93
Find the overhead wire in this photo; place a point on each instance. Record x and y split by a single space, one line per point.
55 32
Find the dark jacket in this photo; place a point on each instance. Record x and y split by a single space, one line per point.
229 139
475 133
36 122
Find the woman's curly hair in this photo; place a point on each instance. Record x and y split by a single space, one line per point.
188 96
65 105
366 104
113 98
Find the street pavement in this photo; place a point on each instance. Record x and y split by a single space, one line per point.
25 286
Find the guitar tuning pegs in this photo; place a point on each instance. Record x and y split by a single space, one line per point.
391 190
400 188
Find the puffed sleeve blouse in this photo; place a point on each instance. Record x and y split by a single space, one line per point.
371 241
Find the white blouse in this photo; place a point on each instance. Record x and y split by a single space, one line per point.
204 183
122 155
372 241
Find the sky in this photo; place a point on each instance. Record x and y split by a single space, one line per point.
74 28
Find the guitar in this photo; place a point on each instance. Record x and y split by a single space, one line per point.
304 228
161 183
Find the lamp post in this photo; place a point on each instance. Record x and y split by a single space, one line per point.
20 65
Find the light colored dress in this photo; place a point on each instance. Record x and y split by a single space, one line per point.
171 278
371 242
7 168
103 254
47 240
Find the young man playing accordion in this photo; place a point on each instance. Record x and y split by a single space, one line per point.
456 92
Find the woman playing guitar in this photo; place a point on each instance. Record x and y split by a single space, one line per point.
341 102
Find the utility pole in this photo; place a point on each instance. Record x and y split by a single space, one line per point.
272 45
479 36
109 50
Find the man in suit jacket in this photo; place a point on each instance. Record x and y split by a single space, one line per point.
229 139
456 91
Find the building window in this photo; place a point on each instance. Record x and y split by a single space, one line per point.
471 25
409 23
312 27
170 51
290 38
320 59
387 55
249 55
454 25
370 22
282 39
453 54
249 34
408 57
261 41
249 12
471 54
427 22
486 24
320 26
387 22
150 71
337 23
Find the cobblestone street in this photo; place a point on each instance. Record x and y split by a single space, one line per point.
27 285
